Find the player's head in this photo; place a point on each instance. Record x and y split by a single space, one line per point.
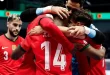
54 3
14 24
81 2
81 18
71 4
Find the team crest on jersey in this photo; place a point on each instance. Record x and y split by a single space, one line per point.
13 47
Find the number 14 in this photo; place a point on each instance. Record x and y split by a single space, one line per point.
56 62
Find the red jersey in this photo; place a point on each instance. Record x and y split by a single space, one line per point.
52 49
28 66
8 66
88 65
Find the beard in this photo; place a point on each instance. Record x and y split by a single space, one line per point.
12 33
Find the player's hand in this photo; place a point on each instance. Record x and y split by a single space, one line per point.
60 11
76 31
49 16
37 30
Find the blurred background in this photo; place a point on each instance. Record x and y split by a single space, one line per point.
99 8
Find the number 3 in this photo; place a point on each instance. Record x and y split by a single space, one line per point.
6 55
56 62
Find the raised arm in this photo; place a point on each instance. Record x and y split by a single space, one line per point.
96 35
24 46
30 14
99 38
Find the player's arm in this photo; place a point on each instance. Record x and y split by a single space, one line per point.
48 25
21 49
37 30
98 38
31 13
17 53
64 30
90 49
96 35
95 53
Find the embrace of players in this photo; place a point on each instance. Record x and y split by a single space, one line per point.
52 41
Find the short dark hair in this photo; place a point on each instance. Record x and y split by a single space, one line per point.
81 2
81 16
55 3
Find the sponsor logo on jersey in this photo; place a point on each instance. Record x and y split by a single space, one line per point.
4 47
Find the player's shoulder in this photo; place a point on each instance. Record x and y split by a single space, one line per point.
20 38
45 15
2 37
34 37
40 16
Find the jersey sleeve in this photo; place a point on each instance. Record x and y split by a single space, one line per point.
22 39
48 25
26 43
94 44
99 37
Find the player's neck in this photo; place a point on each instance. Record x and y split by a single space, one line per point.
11 37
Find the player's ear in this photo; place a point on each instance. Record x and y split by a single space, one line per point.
66 2
8 24
78 23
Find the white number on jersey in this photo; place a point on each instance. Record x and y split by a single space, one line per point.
103 60
6 55
59 59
